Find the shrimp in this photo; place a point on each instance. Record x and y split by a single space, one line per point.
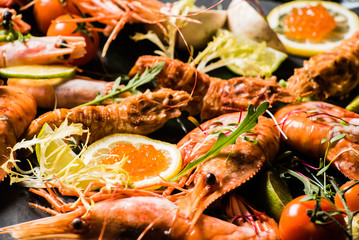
116 13
41 50
306 124
8 16
137 217
140 114
212 96
233 166
332 73
64 93
17 110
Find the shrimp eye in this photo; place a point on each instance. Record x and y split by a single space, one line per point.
7 16
63 44
6 24
77 224
210 179
270 88
170 96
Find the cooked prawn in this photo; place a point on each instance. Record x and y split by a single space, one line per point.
332 73
8 16
65 94
139 217
306 124
234 165
212 96
41 50
17 110
141 114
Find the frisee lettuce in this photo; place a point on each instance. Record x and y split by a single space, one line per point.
177 19
60 163
242 56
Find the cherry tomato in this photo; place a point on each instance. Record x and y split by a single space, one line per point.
47 10
69 29
295 224
351 197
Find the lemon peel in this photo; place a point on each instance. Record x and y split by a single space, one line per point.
347 23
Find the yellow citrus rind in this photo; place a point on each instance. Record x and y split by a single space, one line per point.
346 20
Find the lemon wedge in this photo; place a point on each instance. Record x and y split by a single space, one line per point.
149 171
347 23
54 155
38 71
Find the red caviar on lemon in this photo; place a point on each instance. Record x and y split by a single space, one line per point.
309 23
146 161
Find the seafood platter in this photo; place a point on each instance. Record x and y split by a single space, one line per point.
147 119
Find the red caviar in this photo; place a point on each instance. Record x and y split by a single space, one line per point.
146 161
310 22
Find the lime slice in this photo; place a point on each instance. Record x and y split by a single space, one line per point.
274 194
353 105
347 23
55 155
38 71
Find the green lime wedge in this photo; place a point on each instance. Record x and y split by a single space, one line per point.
353 105
274 194
38 71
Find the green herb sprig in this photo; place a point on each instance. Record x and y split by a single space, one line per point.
147 76
248 123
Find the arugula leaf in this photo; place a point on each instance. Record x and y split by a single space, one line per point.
334 139
146 77
248 123
310 188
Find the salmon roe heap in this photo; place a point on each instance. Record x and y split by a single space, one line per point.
309 23
146 161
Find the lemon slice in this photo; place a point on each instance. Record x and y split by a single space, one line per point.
263 62
347 23
38 71
100 150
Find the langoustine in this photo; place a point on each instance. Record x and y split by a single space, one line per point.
17 110
306 124
233 166
137 217
8 16
143 113
66 93
116 13
213 96
41 50
329 74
